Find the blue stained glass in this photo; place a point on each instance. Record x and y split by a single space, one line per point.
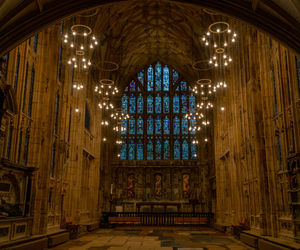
166 78
126 89
138 89
158 150
166 126
123 127
140 125
193 150
183 86
176 104
184 126
185 150
166 150
139 150
150 150
150 126
140 77
176 126
193 126
123 150
132 104
140 104
132 86
174 76
176 150
177 88
150 78
184 103
158 77
157 104
150 104
166 104
192 103
131 130
124 104
131 150
158 125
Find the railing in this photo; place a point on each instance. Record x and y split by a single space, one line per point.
156 219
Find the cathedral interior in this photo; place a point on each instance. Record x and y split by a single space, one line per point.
133 115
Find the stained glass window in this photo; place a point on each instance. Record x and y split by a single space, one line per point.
184 126
132 86
157 104
150 78
131 150
166 104
139 150
140 127
157 128
150 104
123 127
158 150
140 104
150 125
158 77
158 125
124 104
183 103
192 103
132 104
140 77
131 129
166 78
166 126
185 150
166 150
123 151
150 150
176 150
176 104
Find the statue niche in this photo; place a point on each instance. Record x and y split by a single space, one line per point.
157 186
130 186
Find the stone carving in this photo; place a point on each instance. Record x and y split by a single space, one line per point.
130 186
157 185
186 185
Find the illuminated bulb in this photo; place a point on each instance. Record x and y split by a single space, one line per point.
72 45
91 46
207 33
203 38
85 34
89 63
118 155
96 42
222 108
216 65
75 65
76 110
230 59
234 34
81 47
94 38
206 140
233 40
104 139
225 85
218 30
215 45
214 57
224 56
73 59
225 63
66 36
65 40
210 61
84 66
74 33
206 43
229 31
69 62
225 44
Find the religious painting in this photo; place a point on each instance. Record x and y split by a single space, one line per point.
130 186
158 185
186 185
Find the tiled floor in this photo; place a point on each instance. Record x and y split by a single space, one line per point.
153 238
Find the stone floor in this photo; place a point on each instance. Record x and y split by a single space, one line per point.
153 238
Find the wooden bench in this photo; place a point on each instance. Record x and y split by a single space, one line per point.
124 220
39 244
249 239
92 227
56 239
267 245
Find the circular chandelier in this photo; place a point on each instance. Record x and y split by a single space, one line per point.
106 88
105 104
81 43
218 39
